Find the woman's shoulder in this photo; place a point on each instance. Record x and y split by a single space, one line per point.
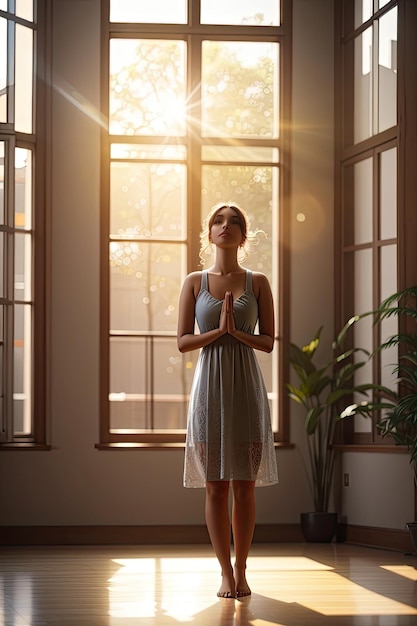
259 277
194 276
259 282
193 282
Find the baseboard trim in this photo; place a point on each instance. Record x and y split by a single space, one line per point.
134 535
386 538
373 537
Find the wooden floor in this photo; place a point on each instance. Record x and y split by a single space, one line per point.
292 585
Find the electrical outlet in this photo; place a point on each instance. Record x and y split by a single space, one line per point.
346 480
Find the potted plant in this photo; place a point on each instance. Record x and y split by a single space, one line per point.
399 417
325 392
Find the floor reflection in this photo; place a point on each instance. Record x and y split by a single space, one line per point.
292 585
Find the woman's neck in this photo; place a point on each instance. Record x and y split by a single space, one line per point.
226 262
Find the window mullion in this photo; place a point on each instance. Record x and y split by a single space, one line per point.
375 78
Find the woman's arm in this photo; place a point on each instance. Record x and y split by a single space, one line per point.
265 339
186 339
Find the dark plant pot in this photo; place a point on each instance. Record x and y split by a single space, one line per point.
318 527
412 527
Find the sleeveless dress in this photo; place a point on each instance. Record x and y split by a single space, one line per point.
229 434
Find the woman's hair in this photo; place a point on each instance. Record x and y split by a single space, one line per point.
249 237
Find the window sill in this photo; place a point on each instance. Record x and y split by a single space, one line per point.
161 446
370 447
25 446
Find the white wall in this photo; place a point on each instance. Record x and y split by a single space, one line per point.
74 483
380 491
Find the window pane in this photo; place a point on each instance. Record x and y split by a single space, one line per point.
147 87
22 267
24 9
163 152
256 190
23 188
362 332
363 297
145 280
2 264
363 11
2 147
22 371
388 194
128 383
363 201
150 384
3 70
245 12
24 79
2 368
269 367
240 89
387 70
147 200
388 284
172 382
363 86
240 153
389 326
157 11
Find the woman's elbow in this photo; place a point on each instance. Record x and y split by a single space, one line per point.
182 344
269 345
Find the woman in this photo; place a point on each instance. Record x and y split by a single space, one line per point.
229 435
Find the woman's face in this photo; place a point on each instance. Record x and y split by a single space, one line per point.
226 228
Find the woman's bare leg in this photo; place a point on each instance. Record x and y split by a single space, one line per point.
218 526
243 524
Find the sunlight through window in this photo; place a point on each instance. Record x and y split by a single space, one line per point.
402 570
154 587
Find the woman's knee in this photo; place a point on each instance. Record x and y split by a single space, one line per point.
243 490
217 489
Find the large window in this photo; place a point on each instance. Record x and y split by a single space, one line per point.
195 103
21 417
367 234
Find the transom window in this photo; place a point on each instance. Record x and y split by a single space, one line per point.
195 109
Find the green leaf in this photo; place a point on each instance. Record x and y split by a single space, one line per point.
295 393
337 394
300 361
313 418
347 372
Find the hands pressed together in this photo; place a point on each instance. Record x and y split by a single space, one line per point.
227 320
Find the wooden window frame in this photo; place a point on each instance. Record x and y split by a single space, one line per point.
403 136
108 440
37 142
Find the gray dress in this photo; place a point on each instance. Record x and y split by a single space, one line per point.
229 434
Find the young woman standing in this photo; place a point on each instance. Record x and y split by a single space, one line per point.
229 434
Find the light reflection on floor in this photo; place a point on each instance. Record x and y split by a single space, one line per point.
292 584
402 570
149 587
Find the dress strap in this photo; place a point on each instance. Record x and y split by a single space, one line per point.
204 280
249 280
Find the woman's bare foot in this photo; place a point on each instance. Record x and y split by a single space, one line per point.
228 586
242 587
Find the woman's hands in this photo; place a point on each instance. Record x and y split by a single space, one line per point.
227 320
